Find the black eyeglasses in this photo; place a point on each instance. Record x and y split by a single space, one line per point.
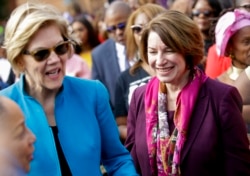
120 26
136 28
42 54
206 13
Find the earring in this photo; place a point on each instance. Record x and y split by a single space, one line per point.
232 56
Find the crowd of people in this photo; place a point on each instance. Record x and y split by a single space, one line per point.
156 88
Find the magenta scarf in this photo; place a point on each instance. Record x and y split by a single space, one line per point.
164 149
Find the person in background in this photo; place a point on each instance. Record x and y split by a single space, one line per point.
70 117
16 140
140 73
232 38
77 67
242 82
7 76
216 65
84 31
109 58
203 12
172 117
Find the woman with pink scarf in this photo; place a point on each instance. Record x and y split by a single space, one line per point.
182 122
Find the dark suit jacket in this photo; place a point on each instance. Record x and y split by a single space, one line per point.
216 142
105 66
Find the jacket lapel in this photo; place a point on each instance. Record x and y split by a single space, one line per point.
196 122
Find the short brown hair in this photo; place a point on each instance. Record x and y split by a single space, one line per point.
178 32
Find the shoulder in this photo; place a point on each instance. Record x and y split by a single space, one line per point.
101 47
220 91
83 86
12 90
140 91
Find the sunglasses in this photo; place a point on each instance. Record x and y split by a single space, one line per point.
120 26
42 54
206 13
136 29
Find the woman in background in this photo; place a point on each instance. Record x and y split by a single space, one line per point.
84 31
140 73
203 13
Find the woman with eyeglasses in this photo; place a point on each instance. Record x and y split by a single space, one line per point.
140 73
182 123
203 12
71 117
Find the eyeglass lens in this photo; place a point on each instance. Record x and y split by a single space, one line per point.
206 13
120 26
43 54
136 29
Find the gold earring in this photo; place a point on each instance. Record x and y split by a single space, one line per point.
232 56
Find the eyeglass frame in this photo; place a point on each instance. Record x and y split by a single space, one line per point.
205 13
136 31
32 53
120 26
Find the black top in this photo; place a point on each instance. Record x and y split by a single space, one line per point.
125 86
65 170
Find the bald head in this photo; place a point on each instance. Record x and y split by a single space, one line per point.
118 7
6 106
16 140
116 18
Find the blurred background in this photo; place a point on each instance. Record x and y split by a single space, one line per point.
89 6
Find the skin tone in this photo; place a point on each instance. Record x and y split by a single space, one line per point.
134 4
202 21
240 83
141 20
169 66
114 17
15 136
44 79
81 32
239 47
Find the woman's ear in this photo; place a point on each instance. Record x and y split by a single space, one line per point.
20 66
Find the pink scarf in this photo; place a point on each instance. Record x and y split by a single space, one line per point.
164 149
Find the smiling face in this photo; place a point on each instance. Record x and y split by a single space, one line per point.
169 66
15 136
49 73
239 46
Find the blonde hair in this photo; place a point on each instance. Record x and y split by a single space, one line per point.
150 10
23 24
178 32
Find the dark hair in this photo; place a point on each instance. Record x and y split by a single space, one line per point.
92 35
